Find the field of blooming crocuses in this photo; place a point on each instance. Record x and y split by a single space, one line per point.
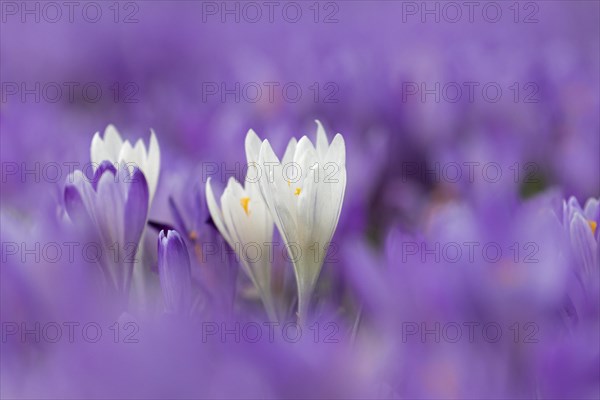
300 199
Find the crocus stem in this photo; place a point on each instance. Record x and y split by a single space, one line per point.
305 284
304 295
302 310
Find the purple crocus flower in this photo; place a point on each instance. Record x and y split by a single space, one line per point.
114 205
174 272
581 226
214 267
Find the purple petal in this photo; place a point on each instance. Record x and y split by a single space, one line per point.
136 207
592 210
174 272
584 245
104 167
75 205
73 202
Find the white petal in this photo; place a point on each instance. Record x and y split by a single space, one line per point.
234 215
252 145
322 143
334 183
306 209
133 157
98 152
304 145
112 142
306 157
215 212
337 151
153 164
267 161
290 150
271 169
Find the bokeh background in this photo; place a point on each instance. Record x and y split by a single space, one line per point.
382 73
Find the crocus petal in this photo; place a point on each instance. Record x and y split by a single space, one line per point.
136 208
277 195
77 201
98 152
584 245
234 214
215 212
573 207
107 148
109 209
306 156
174 272
337 151
290 150
133 156
152 167
112 142
252 145
591 211
322 143
306 207
105 166
267 160
336 181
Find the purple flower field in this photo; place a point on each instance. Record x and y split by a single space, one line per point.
300 199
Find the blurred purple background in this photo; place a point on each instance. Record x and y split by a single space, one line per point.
418 89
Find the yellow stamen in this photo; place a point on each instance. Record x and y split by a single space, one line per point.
244 202
289 183
298 191
593 226
193 235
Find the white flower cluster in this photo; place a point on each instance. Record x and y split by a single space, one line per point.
305 208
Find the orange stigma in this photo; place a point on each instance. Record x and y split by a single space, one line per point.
593 226
244 202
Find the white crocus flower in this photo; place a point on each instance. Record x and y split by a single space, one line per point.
246 224
305 192
114 149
